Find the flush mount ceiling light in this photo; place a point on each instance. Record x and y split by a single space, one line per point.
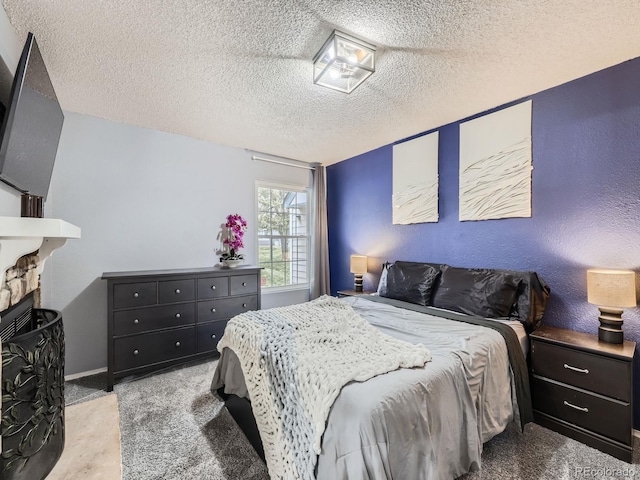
343 62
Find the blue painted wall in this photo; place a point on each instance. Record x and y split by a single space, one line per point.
586 199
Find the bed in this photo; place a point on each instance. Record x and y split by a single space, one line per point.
429 421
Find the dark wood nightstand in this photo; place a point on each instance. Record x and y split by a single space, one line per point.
582 388
353 293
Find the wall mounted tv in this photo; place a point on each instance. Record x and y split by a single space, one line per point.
31 126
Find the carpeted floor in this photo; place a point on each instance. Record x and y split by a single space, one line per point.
174 428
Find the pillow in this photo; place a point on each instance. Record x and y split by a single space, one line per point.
483 292
411 282
382 283
531 299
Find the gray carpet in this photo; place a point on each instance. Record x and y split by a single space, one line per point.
174 428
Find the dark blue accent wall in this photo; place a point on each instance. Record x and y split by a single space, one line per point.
585 203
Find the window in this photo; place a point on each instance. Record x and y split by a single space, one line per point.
283 235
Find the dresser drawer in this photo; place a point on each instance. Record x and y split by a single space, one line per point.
153 318
596 373
213 287
209 335
174 291
593 412
126 295
225 308
141 350
244 284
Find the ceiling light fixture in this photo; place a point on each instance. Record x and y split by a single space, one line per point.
343 62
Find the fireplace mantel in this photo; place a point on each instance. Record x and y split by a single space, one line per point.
20 236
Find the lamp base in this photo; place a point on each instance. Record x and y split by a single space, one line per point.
610 329
357 282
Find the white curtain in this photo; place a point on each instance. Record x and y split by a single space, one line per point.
319 237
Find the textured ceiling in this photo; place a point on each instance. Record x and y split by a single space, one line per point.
239 72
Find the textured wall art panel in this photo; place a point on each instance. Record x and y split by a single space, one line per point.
415 180
495 165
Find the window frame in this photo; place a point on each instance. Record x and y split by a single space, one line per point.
291 188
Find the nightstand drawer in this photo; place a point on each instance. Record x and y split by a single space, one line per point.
225 308
593 412
127 295
174 291
141 350
214 287
596 373
153 318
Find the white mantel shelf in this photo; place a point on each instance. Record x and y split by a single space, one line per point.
37 227
20 236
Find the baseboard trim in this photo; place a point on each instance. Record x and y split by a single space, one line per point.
75 376
636 433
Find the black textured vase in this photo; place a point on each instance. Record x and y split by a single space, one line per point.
33 399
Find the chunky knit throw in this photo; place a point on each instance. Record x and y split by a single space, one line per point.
295 361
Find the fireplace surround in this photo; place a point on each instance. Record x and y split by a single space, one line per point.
33 353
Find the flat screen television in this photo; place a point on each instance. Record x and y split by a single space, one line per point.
31 126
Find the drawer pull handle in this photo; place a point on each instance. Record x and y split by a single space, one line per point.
177 290
136 321
136 295
244 305
582 409
244 284
178 315
177 344
213 310
136 352
213 337
576 369
213 287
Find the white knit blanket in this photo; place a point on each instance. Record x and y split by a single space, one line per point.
295 361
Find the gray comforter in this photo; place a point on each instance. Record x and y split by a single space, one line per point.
421 423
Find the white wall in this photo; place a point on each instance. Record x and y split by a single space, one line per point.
10 49
10 45
144 200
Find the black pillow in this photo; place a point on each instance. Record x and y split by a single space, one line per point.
531 298
483 292
411 282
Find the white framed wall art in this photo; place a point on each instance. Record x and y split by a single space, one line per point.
415 180
495 165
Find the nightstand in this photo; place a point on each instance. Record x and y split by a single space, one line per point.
353 293
582 388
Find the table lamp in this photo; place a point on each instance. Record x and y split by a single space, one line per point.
358 268
611 290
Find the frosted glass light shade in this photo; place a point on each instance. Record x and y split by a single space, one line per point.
343 62
358 264
611 288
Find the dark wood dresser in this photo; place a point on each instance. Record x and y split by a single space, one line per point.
159 318
582 388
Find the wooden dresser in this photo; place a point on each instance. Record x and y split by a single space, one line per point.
582 388
158 318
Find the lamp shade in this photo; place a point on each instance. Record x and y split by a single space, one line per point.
611 288
358 264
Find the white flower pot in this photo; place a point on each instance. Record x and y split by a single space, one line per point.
231 263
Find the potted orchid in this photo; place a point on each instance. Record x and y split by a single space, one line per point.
236 226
